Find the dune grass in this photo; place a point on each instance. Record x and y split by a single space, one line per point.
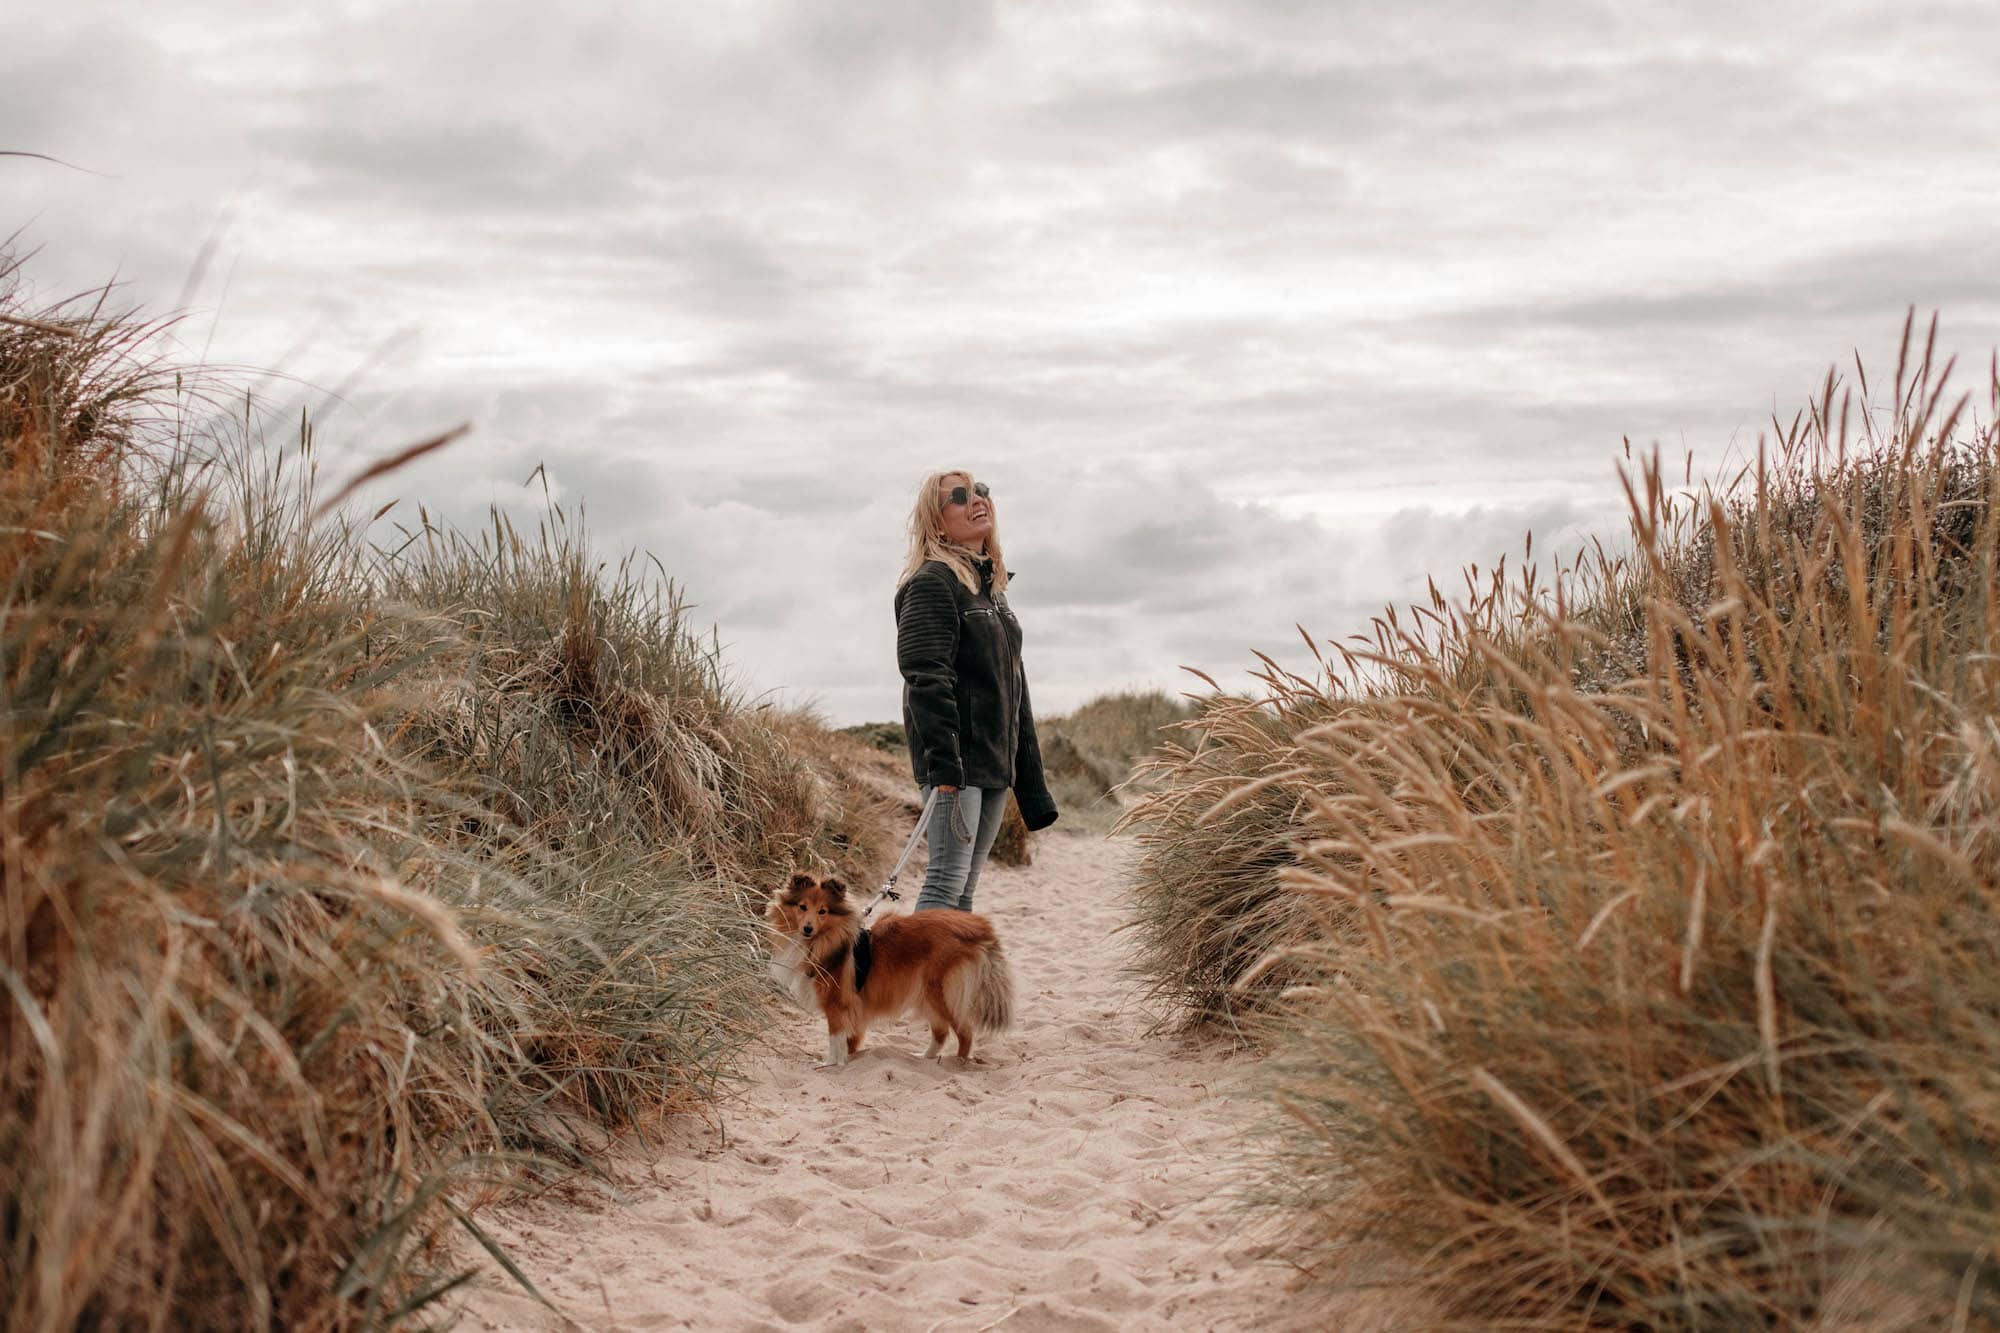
1091 753
1624 944
1087 757
342 885
1114 732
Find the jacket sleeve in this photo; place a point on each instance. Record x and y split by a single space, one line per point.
926 653
1031 788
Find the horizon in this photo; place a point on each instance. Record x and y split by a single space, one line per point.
1253 314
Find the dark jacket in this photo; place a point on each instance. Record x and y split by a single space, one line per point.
965 697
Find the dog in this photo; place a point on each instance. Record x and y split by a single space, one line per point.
947 965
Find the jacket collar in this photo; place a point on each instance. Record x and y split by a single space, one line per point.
981 563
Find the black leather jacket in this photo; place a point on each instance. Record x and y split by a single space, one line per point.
965 696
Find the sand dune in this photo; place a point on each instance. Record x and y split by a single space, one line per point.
1079 1179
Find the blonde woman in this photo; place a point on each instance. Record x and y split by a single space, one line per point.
965 696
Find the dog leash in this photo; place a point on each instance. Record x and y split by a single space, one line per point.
909 850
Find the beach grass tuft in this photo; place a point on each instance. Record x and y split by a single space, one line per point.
342 886
1623 941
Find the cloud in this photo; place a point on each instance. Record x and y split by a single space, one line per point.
802 498
449 168
1959 268
1255 312
857 41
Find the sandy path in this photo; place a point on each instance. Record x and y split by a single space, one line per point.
1076 1181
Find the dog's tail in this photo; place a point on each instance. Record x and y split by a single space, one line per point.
993 991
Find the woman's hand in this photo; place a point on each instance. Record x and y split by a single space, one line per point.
946 786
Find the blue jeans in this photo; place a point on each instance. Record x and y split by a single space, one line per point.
961 832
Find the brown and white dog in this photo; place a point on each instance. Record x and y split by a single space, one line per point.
947 965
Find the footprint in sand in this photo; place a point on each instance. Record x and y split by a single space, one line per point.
784 1209
1042 1317
877 1263
1049 1196
855 1176
952 1226
796 1299
1040 1240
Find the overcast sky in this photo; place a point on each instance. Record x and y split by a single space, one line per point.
1252 313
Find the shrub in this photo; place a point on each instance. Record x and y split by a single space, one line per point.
1011 843
1091 755
885 736
336 885
1635 934
1216 826
236 1023
1113 733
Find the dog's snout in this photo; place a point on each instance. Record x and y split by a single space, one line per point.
806 930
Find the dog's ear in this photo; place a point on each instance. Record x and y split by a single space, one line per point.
834 889
779 897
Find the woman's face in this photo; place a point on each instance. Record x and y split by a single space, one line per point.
968 524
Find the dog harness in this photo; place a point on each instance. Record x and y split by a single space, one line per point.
864 945
864 959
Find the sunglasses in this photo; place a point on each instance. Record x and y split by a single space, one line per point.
959 497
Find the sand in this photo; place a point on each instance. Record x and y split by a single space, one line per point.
1081 1178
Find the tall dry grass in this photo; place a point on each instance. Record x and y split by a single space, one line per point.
1626 944
1115 732
1091 753
337 886
1088 756
222 988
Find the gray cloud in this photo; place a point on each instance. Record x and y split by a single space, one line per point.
450 168
1255 312
809 496
1956 268
853 41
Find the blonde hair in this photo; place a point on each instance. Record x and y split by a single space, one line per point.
927 537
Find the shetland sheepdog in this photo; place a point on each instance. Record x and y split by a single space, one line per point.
945 964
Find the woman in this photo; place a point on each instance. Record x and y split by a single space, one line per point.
965 697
